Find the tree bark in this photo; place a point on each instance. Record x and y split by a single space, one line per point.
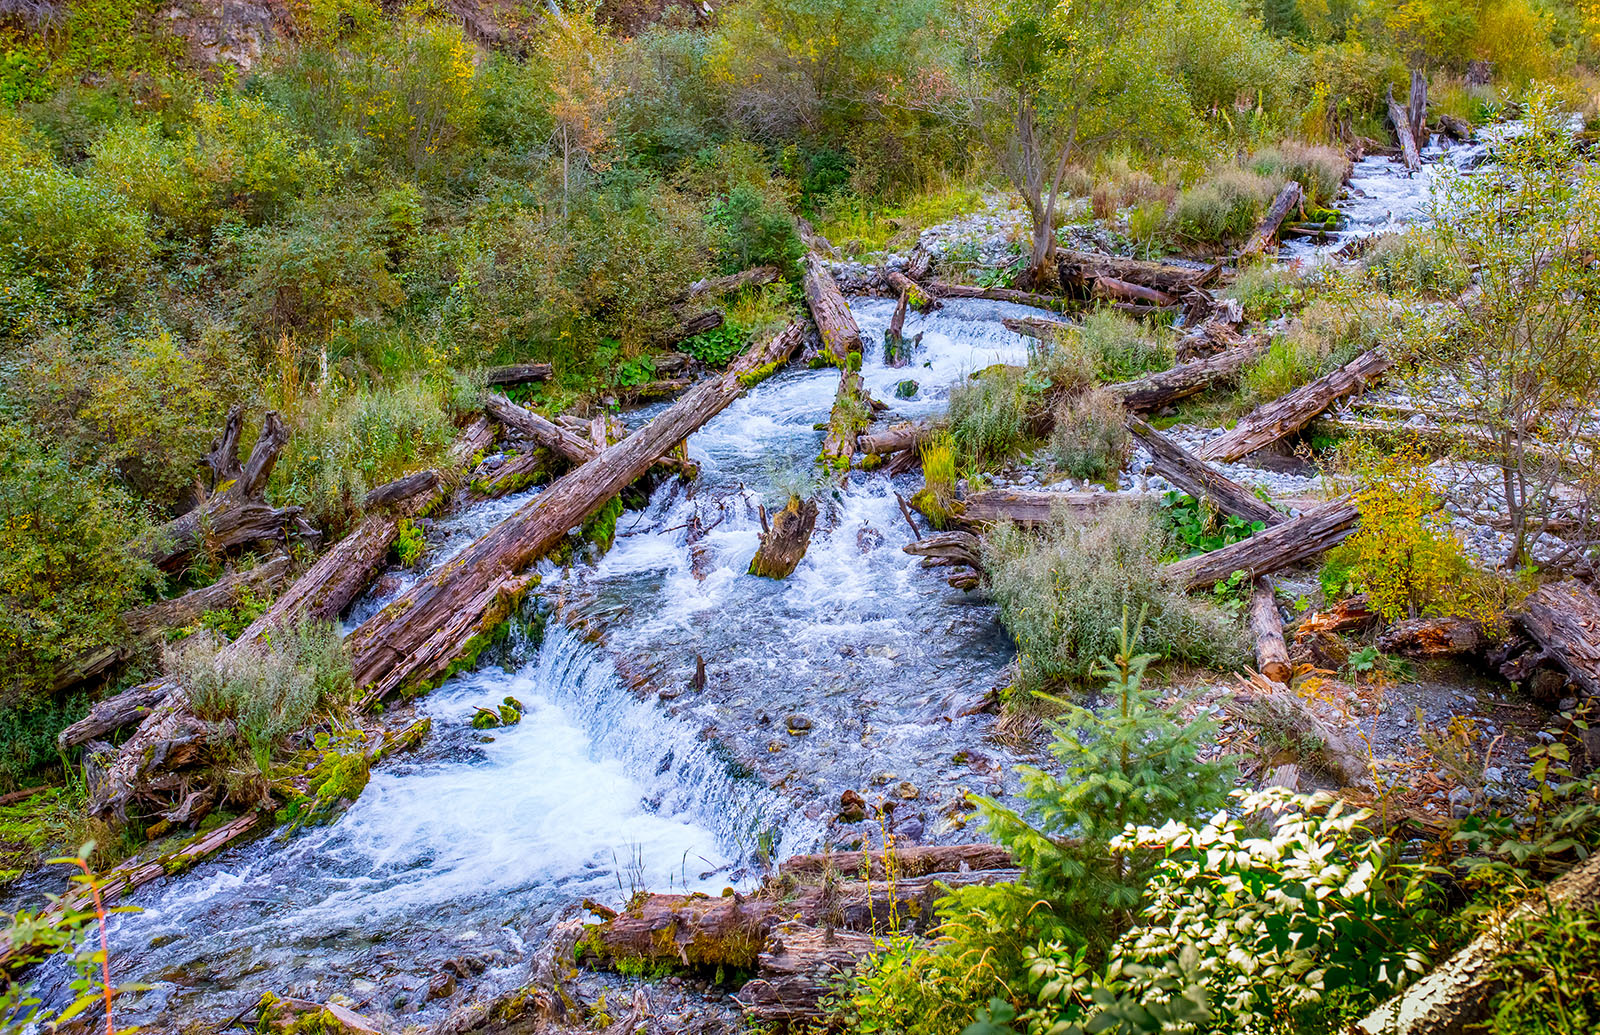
1455 996
416 638
1266 628
1441 637
840 335
1285 416
1156 391
1199 479
944 289
1402 131
915 861
785 542
1271 550
1564 620
235 514
1082 269
125 709
1127 291
519 374
1288 199
797 969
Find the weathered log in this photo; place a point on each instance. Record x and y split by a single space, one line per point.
133 874
125 709
1023 507
695 323
1266 628
951 550
1270 550
235 514
896 352
1160 389
525 422
1034 326
753 277
784 543
906 435
1455 996
1564 620
1288 199
519 374
400 490
223 456
830 312
945 289
1127 291
914 861
1285 416
797 969
1417 108
632 395
1084 268
919 297
1402 130
1199 479
416 638
1440 637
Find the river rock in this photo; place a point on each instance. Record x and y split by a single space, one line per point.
798 725
852 807
443 986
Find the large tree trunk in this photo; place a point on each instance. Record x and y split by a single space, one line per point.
1564 620
1266 628
1402 131
1288 198
784 541
235 514
1156 391
416 638
842 338
1199 479
1443 636
1455 997
1271 550
1285 416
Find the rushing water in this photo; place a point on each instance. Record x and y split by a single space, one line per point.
853 674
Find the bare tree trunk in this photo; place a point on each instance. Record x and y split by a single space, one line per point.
1199 479
1268 551
1402 131
1289 197
784 543
1266 628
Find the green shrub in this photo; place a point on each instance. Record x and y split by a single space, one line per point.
1121 347
750 230
1548 981
347 441
1320 171
1197 527
1090 439
268 689
1224 207
989 416
1060 589
1412 263
1267 290
1328 334
66 570
28 736
323 269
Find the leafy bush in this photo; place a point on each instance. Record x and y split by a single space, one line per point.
1320 171
268 689
1224 207
28 736
1121 347
1328 334
1547 978
66 570
1412 264
1059 590
1198 528
749 230
1267 290
717 347
989 416
1090 438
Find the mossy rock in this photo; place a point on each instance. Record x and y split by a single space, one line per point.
906 389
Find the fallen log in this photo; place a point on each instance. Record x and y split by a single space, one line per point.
784 542
1288 199
1285 416
124 709
1023 507
1261 700
1441 637
415 639
951 550
798 968
1199 479
1161 389
1347 615
1127 291
1034 326
519 374
907 435
1266 628
918 296
558 440
1402 130
1270 550
693 324
235 514
830 312
915 861
753 277
1564 620
1084 268
945 289
1455 996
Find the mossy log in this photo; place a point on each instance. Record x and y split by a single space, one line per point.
905 435
1283 417
1454 998
830 312
784 539
1038 327
418 637
1270 550
235 513
1199 479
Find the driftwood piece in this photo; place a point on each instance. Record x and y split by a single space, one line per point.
1039 327
1564 620
1160 389
1127 291
753 277
784 543
235 514
1285 416
1402 130
1347 615
1270 550
1199 479
417 637
519 374
1266 628
1440 637
124 709
1455 996
951 550
906 435
1287 200
797 969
